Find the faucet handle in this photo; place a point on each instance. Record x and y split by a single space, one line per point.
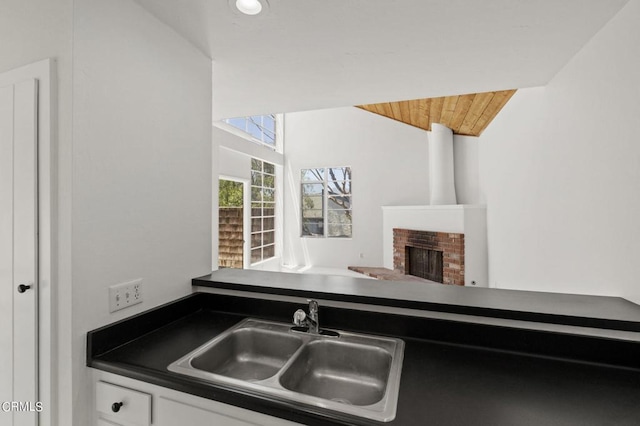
298 317
313 306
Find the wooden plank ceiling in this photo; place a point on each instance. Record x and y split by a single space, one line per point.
464 114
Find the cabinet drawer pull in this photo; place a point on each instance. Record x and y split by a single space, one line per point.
115 407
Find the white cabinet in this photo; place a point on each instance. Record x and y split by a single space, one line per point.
103 422
145 404
171 413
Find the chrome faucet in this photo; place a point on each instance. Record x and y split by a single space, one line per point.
311 321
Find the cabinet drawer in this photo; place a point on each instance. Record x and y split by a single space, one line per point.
103 422
172 413
134 411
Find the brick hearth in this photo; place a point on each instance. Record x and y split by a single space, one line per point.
451 246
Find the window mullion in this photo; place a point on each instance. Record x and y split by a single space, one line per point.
325 204
259 169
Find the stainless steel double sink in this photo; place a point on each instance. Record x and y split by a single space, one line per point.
350 373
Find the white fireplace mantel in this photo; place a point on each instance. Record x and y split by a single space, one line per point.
470 220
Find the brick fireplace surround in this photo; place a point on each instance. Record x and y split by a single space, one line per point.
451 246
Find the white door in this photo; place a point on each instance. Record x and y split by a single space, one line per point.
18 254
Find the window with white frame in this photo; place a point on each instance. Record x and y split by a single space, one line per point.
326 206
263 207
262 128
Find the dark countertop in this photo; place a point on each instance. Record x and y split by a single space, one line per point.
557 308
453 373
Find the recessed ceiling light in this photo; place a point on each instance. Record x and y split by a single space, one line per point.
249 7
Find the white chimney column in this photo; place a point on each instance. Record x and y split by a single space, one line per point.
441 176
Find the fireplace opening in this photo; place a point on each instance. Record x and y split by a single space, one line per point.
450 247
424 263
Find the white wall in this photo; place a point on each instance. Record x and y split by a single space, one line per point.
389 166
561 168
234 164
35 30
142 167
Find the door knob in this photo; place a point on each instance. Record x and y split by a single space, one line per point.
22 288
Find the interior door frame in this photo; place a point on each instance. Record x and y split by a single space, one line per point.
45 72
246 217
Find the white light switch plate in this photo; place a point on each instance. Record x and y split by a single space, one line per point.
124 295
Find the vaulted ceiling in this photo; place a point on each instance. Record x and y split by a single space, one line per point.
464 114
305 55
